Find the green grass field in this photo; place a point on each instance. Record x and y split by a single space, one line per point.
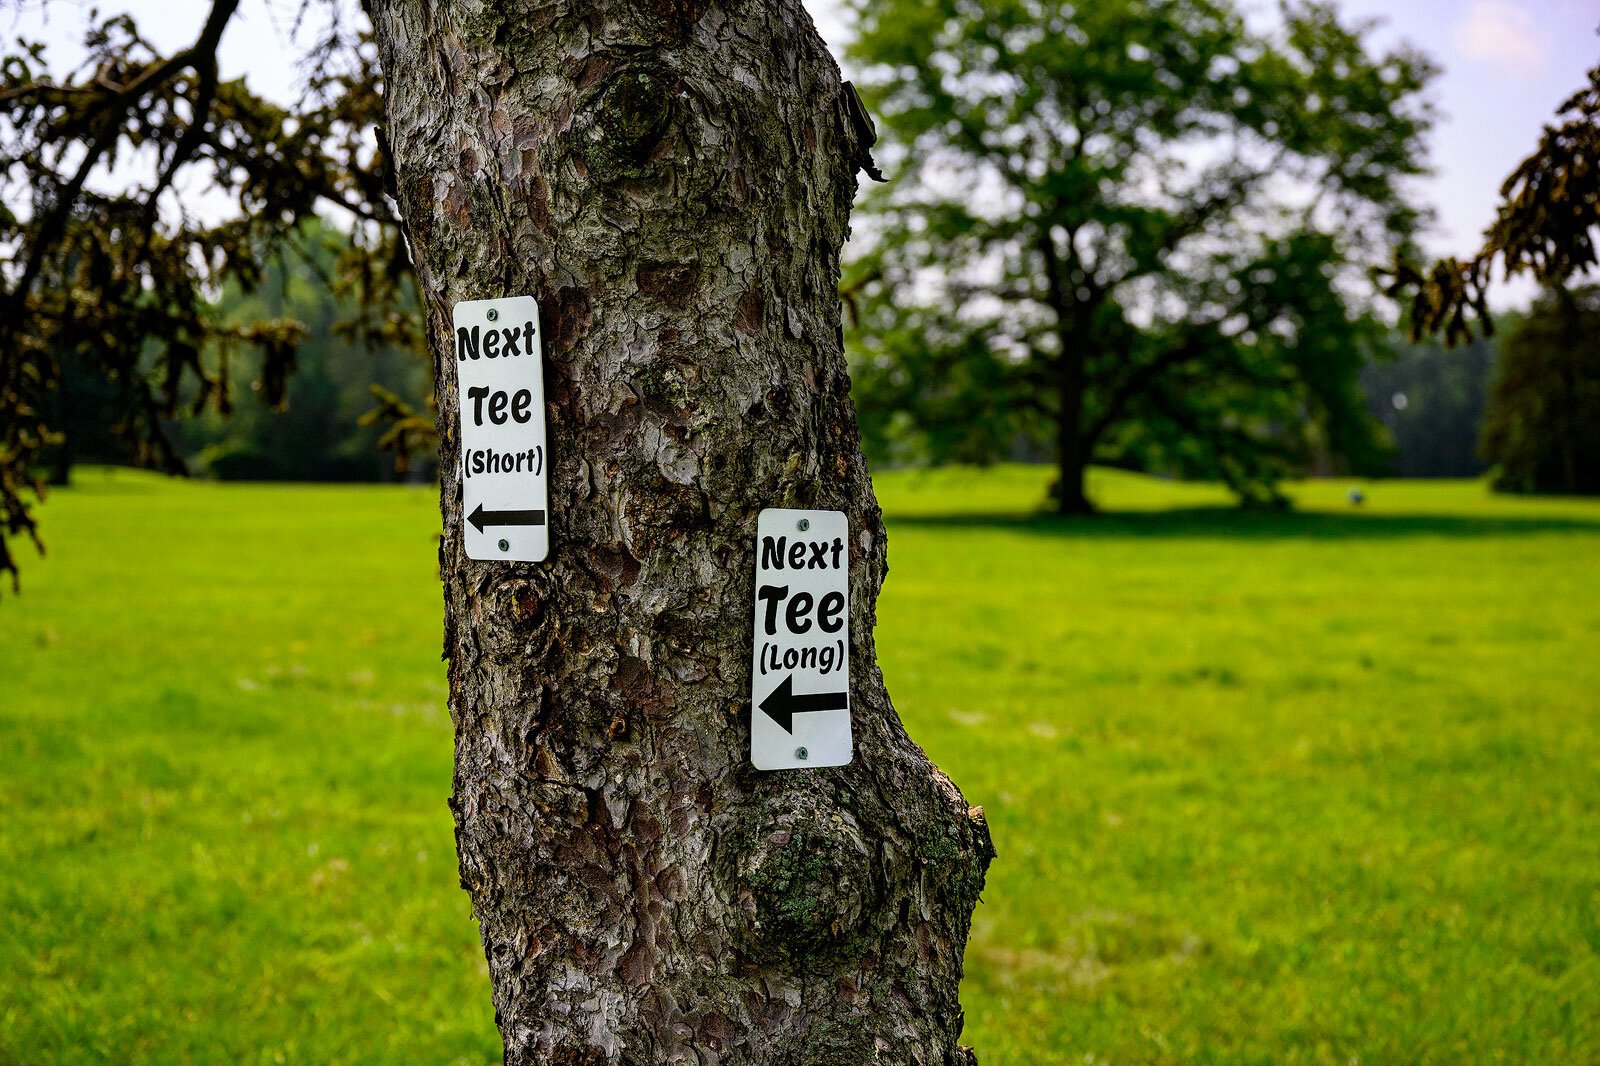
1316 787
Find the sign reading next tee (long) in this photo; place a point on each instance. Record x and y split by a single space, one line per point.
505 482
800 660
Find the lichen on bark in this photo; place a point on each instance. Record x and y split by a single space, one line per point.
672 181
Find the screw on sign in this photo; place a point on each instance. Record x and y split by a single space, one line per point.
800 651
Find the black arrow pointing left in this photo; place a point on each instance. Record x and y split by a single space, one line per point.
783 703
480 518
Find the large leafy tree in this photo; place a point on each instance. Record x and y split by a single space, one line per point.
1143 227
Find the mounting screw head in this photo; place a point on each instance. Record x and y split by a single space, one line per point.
805 524
802 754
505 545
493 314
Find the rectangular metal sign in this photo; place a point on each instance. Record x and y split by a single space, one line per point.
505 481
800 659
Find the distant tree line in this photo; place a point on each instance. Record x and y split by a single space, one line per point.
1449 412
1433 401
324 429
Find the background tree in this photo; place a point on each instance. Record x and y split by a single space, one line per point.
673 183
1543 426
1541 417
1544 228
1143 225
347 406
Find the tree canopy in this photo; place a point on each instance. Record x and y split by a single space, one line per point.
1544 228
1145 229
1541 418
135 190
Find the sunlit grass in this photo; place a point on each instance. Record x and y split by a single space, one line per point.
1309 787
1313 787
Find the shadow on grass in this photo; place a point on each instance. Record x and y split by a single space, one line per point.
1250 525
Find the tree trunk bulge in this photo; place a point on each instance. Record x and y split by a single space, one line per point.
672 181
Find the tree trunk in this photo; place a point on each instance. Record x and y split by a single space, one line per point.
1072 382
1072 471
1072 453
672 181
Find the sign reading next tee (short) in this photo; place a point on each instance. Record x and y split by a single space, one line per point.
800 661
505 483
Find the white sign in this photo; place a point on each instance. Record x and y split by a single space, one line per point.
504 462
800 661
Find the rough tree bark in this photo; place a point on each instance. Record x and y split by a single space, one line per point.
672 180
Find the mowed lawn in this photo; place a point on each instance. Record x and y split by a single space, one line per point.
1315 787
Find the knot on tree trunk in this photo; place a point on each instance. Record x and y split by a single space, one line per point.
676 17
804 882
519 609
623 124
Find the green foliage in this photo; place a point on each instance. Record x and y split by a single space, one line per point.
327 427
1138 230
110 271
1544 227
1350 817
931 393
1543 426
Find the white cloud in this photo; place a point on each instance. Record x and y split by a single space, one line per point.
1501 33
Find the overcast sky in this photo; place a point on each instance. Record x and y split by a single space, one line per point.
1507 65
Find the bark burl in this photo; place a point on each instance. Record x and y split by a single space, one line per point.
672 181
